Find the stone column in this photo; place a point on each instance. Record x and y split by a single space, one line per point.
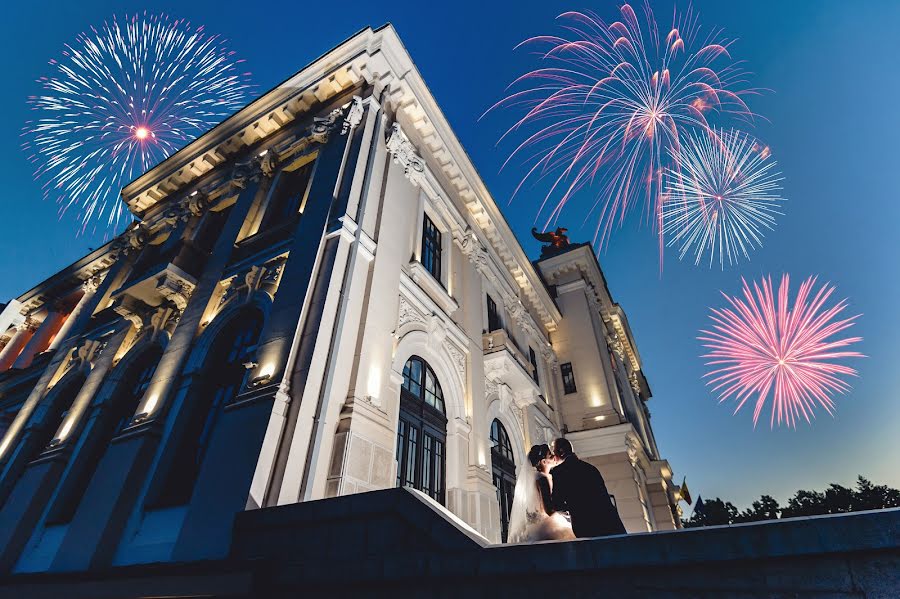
40 340
90 288
11 352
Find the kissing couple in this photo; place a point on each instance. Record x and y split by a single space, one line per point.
563 498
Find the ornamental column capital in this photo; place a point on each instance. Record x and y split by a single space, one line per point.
404 153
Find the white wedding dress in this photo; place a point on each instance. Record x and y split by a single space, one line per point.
528 519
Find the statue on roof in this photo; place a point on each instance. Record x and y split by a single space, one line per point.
556 241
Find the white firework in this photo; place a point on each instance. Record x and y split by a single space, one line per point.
722 193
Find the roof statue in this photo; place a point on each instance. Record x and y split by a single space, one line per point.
556 241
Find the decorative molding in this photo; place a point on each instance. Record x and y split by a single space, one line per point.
404 154
408 313
474 252
354 115
321 128
265 277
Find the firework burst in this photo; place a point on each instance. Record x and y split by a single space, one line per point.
722 193
763 345
611 103
121 99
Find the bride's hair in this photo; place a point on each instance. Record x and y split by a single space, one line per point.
538 453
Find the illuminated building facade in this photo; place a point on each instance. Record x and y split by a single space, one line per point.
319 298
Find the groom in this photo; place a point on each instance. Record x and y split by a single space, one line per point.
578 488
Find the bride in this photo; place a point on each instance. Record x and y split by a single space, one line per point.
532 517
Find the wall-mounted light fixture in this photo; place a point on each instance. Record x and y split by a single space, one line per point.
264 376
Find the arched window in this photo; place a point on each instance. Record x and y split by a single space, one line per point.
113 418
222 377
37 436
422 431
503 468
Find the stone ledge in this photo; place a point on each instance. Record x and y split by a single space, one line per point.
396 543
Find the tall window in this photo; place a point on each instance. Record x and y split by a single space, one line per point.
122 407
532 357
431 248
422 431
33 444
289 196
223 376
568 378
494 322
503 467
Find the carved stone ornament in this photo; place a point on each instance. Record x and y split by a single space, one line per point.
475 253
354 115
265 277
322 126
31 324
404 154
197 203
408 313
175 289
132 240
635 383
87 351
92 284
458 358
268 163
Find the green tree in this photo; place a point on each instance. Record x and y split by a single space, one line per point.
874 497
838 499
712 512
766 508
805 503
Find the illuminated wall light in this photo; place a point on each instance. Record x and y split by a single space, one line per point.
144 415
265 374
66 429
374 386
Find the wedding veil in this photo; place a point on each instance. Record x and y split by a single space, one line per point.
526 507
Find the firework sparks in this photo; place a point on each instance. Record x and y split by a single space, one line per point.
763 345
614 100
122 99
721 195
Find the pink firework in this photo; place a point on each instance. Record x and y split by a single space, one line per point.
764 345
610 104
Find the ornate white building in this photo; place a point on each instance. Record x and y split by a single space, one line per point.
319 298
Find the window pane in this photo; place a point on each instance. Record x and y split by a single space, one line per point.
568 377
431 248
427 459
411 445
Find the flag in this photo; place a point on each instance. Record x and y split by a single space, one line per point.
684 491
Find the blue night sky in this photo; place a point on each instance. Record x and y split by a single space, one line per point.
831 66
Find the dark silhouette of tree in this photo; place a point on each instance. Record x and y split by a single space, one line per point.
713 512
873 497
836 499
766 508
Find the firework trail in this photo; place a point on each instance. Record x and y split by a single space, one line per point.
764 345
722 193
611 102
121 99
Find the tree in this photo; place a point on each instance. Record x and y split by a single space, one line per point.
766 508
836 499
873 497
712 512
805 503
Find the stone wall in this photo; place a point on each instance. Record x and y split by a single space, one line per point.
396 543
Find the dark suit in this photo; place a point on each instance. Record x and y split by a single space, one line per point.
578 488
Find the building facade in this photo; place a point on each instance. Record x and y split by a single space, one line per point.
319 297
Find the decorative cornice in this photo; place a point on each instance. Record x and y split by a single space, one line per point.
404 154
